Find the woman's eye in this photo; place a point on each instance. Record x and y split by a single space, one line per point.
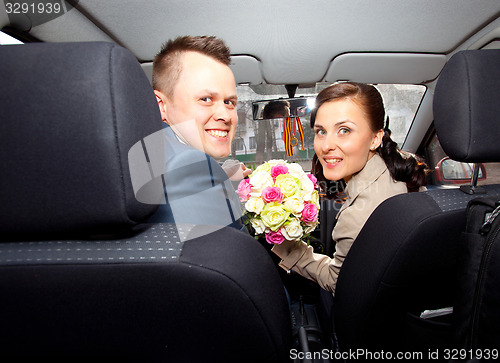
344 131
320 132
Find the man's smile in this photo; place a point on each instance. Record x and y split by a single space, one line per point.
218 133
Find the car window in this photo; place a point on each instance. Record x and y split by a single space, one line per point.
257 141
6 39
445 171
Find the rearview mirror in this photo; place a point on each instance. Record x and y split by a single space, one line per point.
283 107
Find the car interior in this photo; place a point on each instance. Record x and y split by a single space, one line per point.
84 278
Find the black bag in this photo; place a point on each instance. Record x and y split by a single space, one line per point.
477 308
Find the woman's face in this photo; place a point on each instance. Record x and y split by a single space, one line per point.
343 140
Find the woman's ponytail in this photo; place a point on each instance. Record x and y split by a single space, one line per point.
403 166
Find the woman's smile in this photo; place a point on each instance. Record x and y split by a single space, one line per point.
343 138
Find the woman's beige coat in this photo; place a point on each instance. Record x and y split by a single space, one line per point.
365 191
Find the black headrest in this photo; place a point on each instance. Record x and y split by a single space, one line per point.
70 112
467 106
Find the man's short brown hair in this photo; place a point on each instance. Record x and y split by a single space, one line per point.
276 109
167 66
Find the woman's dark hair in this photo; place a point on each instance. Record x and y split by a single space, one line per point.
403 166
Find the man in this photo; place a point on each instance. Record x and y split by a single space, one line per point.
196 90
196 94
266 142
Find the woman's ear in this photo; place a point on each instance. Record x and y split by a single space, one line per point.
377 139
160 97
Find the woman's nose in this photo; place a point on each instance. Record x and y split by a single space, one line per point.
329 143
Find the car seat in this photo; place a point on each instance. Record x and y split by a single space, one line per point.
398 281
81 276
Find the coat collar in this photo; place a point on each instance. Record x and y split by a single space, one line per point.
360 181
170 132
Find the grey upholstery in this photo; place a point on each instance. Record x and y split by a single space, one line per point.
81 276
467 107
70 105
389 278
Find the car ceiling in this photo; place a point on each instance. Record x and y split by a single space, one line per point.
286 42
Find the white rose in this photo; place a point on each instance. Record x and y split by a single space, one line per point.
292 231
295 170
296 205
258 225
275 162
311 227
307 187
254 205
259 180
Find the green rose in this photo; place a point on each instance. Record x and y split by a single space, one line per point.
289 184
315 198
263 167
274 215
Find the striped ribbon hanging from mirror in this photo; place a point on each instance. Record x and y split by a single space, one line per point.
290 125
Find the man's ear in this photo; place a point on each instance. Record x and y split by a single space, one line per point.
160 97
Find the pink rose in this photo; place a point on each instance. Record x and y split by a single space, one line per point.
309 213
313 179
244 189
272 194
277 170
274 237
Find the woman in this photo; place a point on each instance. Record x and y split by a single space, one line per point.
351 144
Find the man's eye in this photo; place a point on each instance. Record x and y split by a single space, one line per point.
206 99
230 102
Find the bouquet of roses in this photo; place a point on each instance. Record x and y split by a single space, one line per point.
281 201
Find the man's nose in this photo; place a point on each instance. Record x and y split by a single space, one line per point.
222 113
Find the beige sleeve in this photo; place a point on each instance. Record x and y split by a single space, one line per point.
318 267
314 266
321 268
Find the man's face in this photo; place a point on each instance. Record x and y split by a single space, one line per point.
202 107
